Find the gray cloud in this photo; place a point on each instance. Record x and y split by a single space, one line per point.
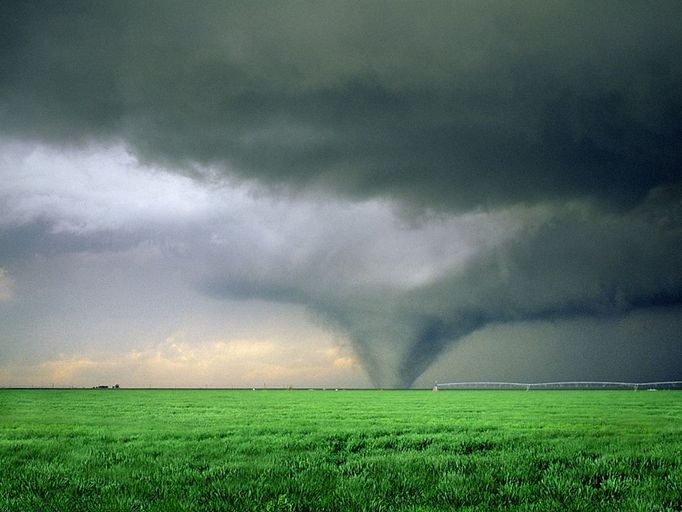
90 231
454 105
403 290
577 263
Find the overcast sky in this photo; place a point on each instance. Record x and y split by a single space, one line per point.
340 194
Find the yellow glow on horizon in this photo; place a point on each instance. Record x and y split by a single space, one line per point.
177 362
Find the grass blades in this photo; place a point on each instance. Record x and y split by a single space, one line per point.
156 450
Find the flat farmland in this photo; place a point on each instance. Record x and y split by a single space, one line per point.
211 450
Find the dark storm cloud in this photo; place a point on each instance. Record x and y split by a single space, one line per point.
568 268
440 104
576 264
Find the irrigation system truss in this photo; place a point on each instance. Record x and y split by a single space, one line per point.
674 384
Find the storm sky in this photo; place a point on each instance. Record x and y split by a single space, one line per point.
343 194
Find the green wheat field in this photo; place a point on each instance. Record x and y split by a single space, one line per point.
269 450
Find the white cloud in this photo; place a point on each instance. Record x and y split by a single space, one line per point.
84 190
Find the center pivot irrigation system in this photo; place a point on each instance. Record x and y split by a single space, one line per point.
651 386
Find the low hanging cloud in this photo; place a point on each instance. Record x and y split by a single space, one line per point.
401 289
577 263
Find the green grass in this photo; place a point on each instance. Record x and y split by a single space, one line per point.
347 450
